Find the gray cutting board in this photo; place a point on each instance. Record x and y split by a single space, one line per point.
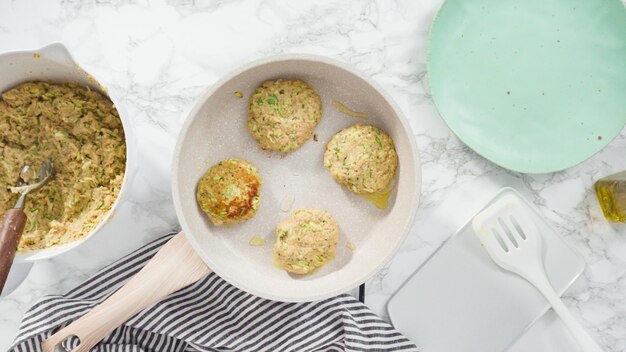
460 300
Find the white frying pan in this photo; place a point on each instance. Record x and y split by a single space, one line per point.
216 130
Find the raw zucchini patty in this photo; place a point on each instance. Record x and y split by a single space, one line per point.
362 158
283 114
305 241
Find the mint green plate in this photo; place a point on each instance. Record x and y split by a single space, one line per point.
535 86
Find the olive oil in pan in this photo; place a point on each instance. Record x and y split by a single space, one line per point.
256 241
345 110
381 198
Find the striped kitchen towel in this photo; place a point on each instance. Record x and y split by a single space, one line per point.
211 315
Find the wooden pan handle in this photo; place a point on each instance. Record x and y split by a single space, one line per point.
10 233
175 266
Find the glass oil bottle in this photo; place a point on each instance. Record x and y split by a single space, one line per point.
611 193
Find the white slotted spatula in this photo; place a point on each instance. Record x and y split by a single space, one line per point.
512 240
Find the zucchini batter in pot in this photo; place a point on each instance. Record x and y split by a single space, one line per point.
81 132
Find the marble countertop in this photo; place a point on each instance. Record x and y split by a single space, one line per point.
161 55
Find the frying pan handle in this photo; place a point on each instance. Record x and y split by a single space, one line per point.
175 266
10 233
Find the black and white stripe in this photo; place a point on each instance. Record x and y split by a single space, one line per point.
212 315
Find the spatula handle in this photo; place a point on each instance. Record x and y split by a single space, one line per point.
583 338
175 266
10 232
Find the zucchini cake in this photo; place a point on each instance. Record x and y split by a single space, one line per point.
283 114
81 132
229 191
305 241
362 158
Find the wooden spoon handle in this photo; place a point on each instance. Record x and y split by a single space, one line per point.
10 233
175 266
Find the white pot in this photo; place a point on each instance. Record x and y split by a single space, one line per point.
54 63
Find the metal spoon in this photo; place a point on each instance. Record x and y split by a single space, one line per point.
14 219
